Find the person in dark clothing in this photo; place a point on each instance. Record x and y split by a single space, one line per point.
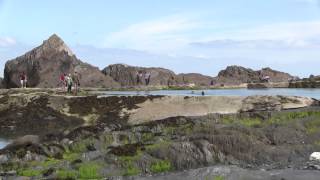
138 78
147 78
202 93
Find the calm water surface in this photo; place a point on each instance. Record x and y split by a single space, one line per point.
3 143
313 93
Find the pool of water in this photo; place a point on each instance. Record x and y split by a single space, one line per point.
313 93
3 143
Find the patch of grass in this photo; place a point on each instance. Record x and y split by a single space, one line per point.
50 162
147 137
131 171
89 171
254 122
158 145
218 178
81 146
313 126
65 174
287 117
214 178
69 156
29 172
247 122
161 166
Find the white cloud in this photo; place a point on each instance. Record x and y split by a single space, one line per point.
157 35
7 41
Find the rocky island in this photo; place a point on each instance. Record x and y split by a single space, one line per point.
54 135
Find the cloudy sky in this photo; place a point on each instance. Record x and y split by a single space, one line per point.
201 36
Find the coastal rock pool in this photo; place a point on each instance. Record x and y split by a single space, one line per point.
3 143
312 93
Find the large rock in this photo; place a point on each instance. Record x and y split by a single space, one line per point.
1 83
275 76
127 75
195 78
44 64
237 75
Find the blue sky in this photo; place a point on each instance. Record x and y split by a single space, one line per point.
184 35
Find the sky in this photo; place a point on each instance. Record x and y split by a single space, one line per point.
202 36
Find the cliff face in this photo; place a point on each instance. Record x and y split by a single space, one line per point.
237 75
44 64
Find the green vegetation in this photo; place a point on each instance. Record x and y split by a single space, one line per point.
282 118
287 117
247 122
67 174
214 178
161 166
81 146
69 156
89 171
131 171
218 178
313 126
158 145
29 172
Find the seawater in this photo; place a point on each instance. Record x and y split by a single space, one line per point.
312 93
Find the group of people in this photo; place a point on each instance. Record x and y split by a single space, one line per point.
69 81
143 76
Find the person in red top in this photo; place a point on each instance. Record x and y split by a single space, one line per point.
23 80
63 81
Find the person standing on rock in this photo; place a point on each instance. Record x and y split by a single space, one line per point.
69 83
63 81
138 78
147 78
23 80
76 81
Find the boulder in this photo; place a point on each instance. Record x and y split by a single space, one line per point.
44 64
315 156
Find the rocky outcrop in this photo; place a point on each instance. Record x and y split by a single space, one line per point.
239 75
1 83
275 76
128 75
44 64
195 78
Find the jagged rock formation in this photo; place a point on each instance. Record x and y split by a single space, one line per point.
275 76
237 75
44 64
127 76
197 79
